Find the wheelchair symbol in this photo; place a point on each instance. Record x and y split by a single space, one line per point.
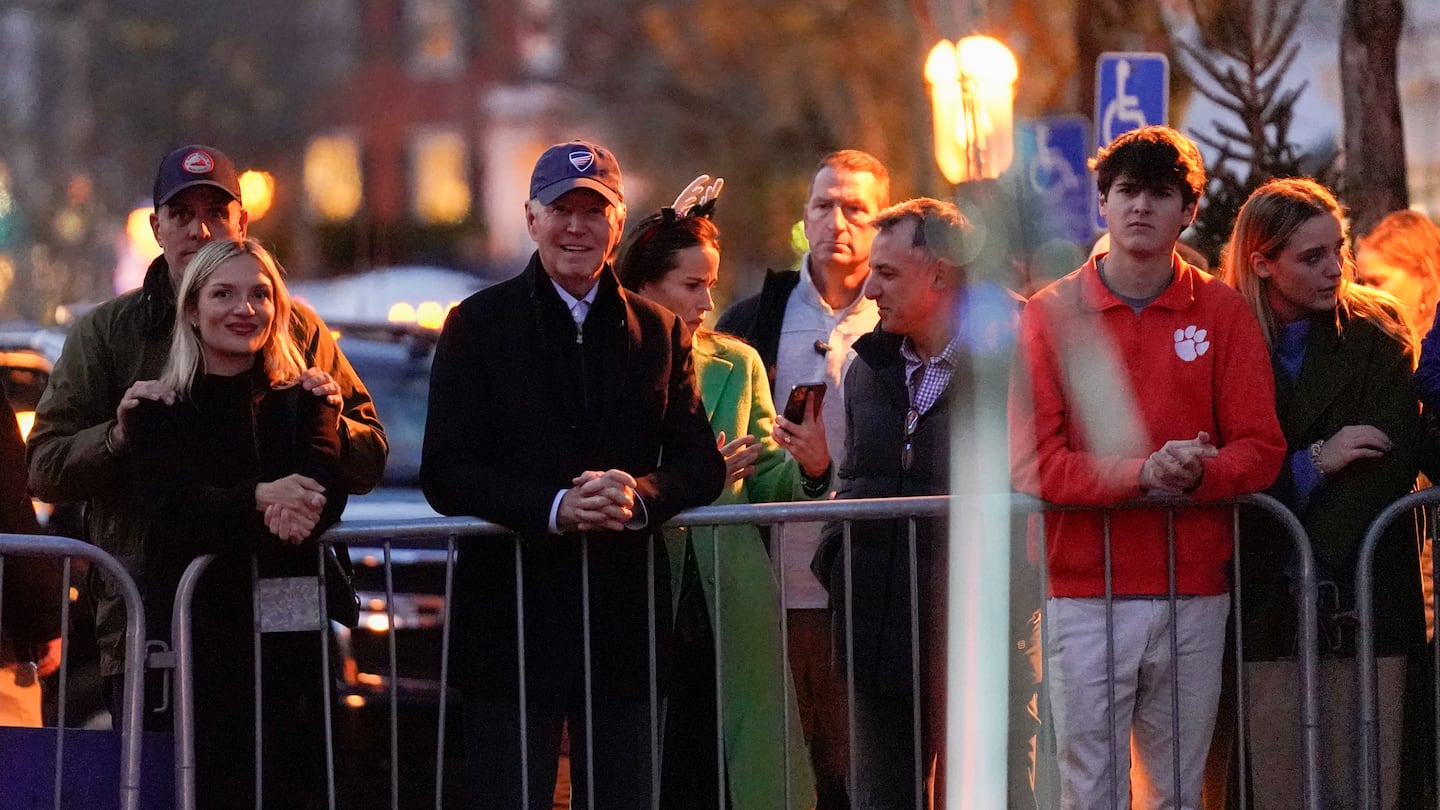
1125 107
1050 171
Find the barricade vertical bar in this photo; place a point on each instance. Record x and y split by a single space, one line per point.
257 674
918 775
394 685
1308 642
1174 656
1432 514
851 771
777 536
589 681
654 683
1365 645
325 676
520 664
1241 725
65 665
718 631
181 625
1042 688
1110 661
445 678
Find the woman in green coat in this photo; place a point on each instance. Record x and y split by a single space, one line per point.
673 259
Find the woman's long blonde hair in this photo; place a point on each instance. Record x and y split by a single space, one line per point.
1267 220
280 356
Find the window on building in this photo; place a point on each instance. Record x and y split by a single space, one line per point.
334 182
440 177
539 41
436 48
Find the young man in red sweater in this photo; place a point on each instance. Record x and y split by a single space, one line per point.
1139 375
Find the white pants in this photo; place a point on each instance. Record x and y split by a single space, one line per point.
1076 656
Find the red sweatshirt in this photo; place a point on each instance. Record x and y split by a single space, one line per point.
1098 388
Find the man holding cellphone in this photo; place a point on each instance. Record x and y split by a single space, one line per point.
803 323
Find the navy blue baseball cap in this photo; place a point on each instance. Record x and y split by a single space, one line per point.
577 164
195 165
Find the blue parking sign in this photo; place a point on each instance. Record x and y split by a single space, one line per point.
1132 90
1053 153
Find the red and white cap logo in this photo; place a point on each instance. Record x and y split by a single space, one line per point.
198 162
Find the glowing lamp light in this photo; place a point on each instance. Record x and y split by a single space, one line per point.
26 420
972 98
139 233
401 312
377 622
257 189
430 314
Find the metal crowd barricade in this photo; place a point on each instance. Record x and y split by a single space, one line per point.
1365 658
441 536
1307 616
132 699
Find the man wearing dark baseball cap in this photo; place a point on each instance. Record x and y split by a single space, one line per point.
565 410
195 165
577 164
78 446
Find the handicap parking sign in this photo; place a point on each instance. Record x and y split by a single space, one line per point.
1132 90
1053 153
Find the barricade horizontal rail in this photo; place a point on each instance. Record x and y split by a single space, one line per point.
442 535
131 735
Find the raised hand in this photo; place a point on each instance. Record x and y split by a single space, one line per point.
740 456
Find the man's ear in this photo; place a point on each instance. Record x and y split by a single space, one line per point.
944 276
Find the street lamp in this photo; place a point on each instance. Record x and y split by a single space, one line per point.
257 189
972 96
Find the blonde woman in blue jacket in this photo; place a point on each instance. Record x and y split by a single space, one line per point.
673 259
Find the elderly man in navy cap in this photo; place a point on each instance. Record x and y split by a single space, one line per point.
565 410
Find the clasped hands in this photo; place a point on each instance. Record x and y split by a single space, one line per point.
597 500
291 506
1177 466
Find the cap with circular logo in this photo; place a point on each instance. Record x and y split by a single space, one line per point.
577 164
195 165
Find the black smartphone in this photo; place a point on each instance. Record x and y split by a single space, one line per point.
799 401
